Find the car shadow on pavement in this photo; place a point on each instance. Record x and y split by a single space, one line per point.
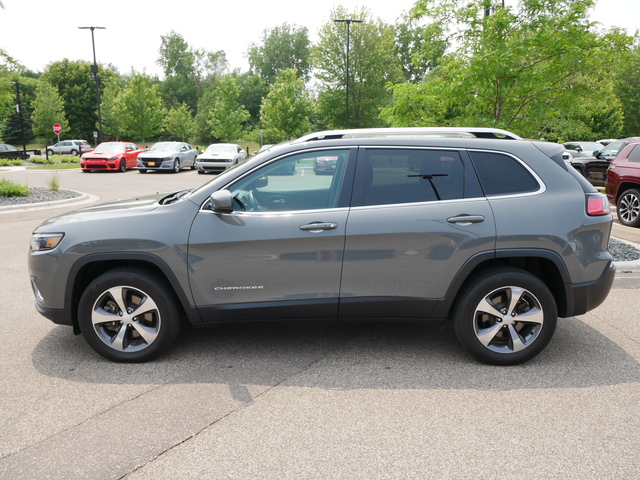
335 355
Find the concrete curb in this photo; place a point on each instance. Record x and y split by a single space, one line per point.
632 266
79 200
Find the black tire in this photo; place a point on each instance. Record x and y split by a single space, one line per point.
74 153
499 332
123 165
142 170
628 208
49 152
176 166
200 171
123 336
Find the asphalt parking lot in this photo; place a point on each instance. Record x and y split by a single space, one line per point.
308 400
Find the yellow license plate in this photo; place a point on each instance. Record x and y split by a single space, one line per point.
152 164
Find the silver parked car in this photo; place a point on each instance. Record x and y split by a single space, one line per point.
475 227
69 147
220 156
167 156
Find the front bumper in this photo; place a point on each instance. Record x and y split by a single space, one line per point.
155 164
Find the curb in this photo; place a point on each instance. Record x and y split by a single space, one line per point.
631 266
80 200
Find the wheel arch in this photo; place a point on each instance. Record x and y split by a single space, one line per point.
92 266
543 264
623 187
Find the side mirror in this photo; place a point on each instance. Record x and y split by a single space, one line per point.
222 201
597 153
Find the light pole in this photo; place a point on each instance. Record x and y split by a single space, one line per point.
94 72
348 21
19 110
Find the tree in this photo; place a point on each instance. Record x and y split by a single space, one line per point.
77 87
286 110
227 116
419 48
14 124
373 63
142 108
524 70
48 108
112 118
179 122
285 46
627 86
252 90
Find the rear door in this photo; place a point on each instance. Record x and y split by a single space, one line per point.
418 216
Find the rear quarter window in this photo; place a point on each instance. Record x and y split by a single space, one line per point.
502 175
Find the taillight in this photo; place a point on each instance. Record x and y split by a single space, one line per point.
597 204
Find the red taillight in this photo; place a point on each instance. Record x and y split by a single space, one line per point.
597 204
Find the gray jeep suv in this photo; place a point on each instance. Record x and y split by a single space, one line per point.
476 227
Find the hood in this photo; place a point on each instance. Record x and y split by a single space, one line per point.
133 206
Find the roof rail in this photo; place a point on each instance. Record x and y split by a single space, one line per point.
417 131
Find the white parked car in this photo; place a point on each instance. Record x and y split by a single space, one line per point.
69 147
220 156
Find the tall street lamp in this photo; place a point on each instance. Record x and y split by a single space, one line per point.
19 110
348 21
94 72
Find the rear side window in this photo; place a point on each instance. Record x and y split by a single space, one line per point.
502 175
634 155
412 175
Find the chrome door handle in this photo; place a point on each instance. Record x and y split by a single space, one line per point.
319 227
466 219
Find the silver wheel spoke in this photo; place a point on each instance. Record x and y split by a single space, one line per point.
486 335
516 296
518 344
535 315
147 333
487 307
118 342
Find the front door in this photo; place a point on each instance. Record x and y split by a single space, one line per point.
279 253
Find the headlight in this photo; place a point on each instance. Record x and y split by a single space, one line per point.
45 241
114 158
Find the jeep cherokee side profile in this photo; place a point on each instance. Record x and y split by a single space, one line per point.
477 227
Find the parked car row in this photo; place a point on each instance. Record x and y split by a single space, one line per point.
622 184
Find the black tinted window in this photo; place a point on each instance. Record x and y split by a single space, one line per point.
634 155
502 175
407 176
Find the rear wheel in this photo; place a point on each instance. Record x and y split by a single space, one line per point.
129 315
74 153
628 208
505 316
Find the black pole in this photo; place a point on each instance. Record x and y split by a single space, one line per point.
348 21
19 109
94 72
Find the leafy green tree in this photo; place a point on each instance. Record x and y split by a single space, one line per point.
142 108
285 46
48 109
524 69
11 127
179 122
201 129
76 86
373 63
627 89
227 117
286 110
112 118
419 48
252 90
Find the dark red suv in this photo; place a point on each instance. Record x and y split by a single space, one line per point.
623 184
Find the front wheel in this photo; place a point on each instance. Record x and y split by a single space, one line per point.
628 208
176 166
505 316
123 165
129 315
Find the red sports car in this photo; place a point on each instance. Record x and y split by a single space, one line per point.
111 156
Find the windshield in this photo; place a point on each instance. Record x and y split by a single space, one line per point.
170 146
220 149
110 147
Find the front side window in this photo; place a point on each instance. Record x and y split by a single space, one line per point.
412 175
293 183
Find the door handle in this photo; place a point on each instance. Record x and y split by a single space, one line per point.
319 227
466 219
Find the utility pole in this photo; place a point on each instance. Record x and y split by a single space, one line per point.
348 21
19 110
94 72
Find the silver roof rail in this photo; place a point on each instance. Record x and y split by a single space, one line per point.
416 131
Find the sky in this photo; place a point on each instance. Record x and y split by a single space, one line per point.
39 32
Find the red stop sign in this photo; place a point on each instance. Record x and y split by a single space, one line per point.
57 128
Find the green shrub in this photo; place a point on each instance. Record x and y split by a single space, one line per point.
4 162
13 189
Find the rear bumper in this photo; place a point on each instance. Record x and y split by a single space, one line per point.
584 297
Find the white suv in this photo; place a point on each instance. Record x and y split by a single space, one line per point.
69 147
